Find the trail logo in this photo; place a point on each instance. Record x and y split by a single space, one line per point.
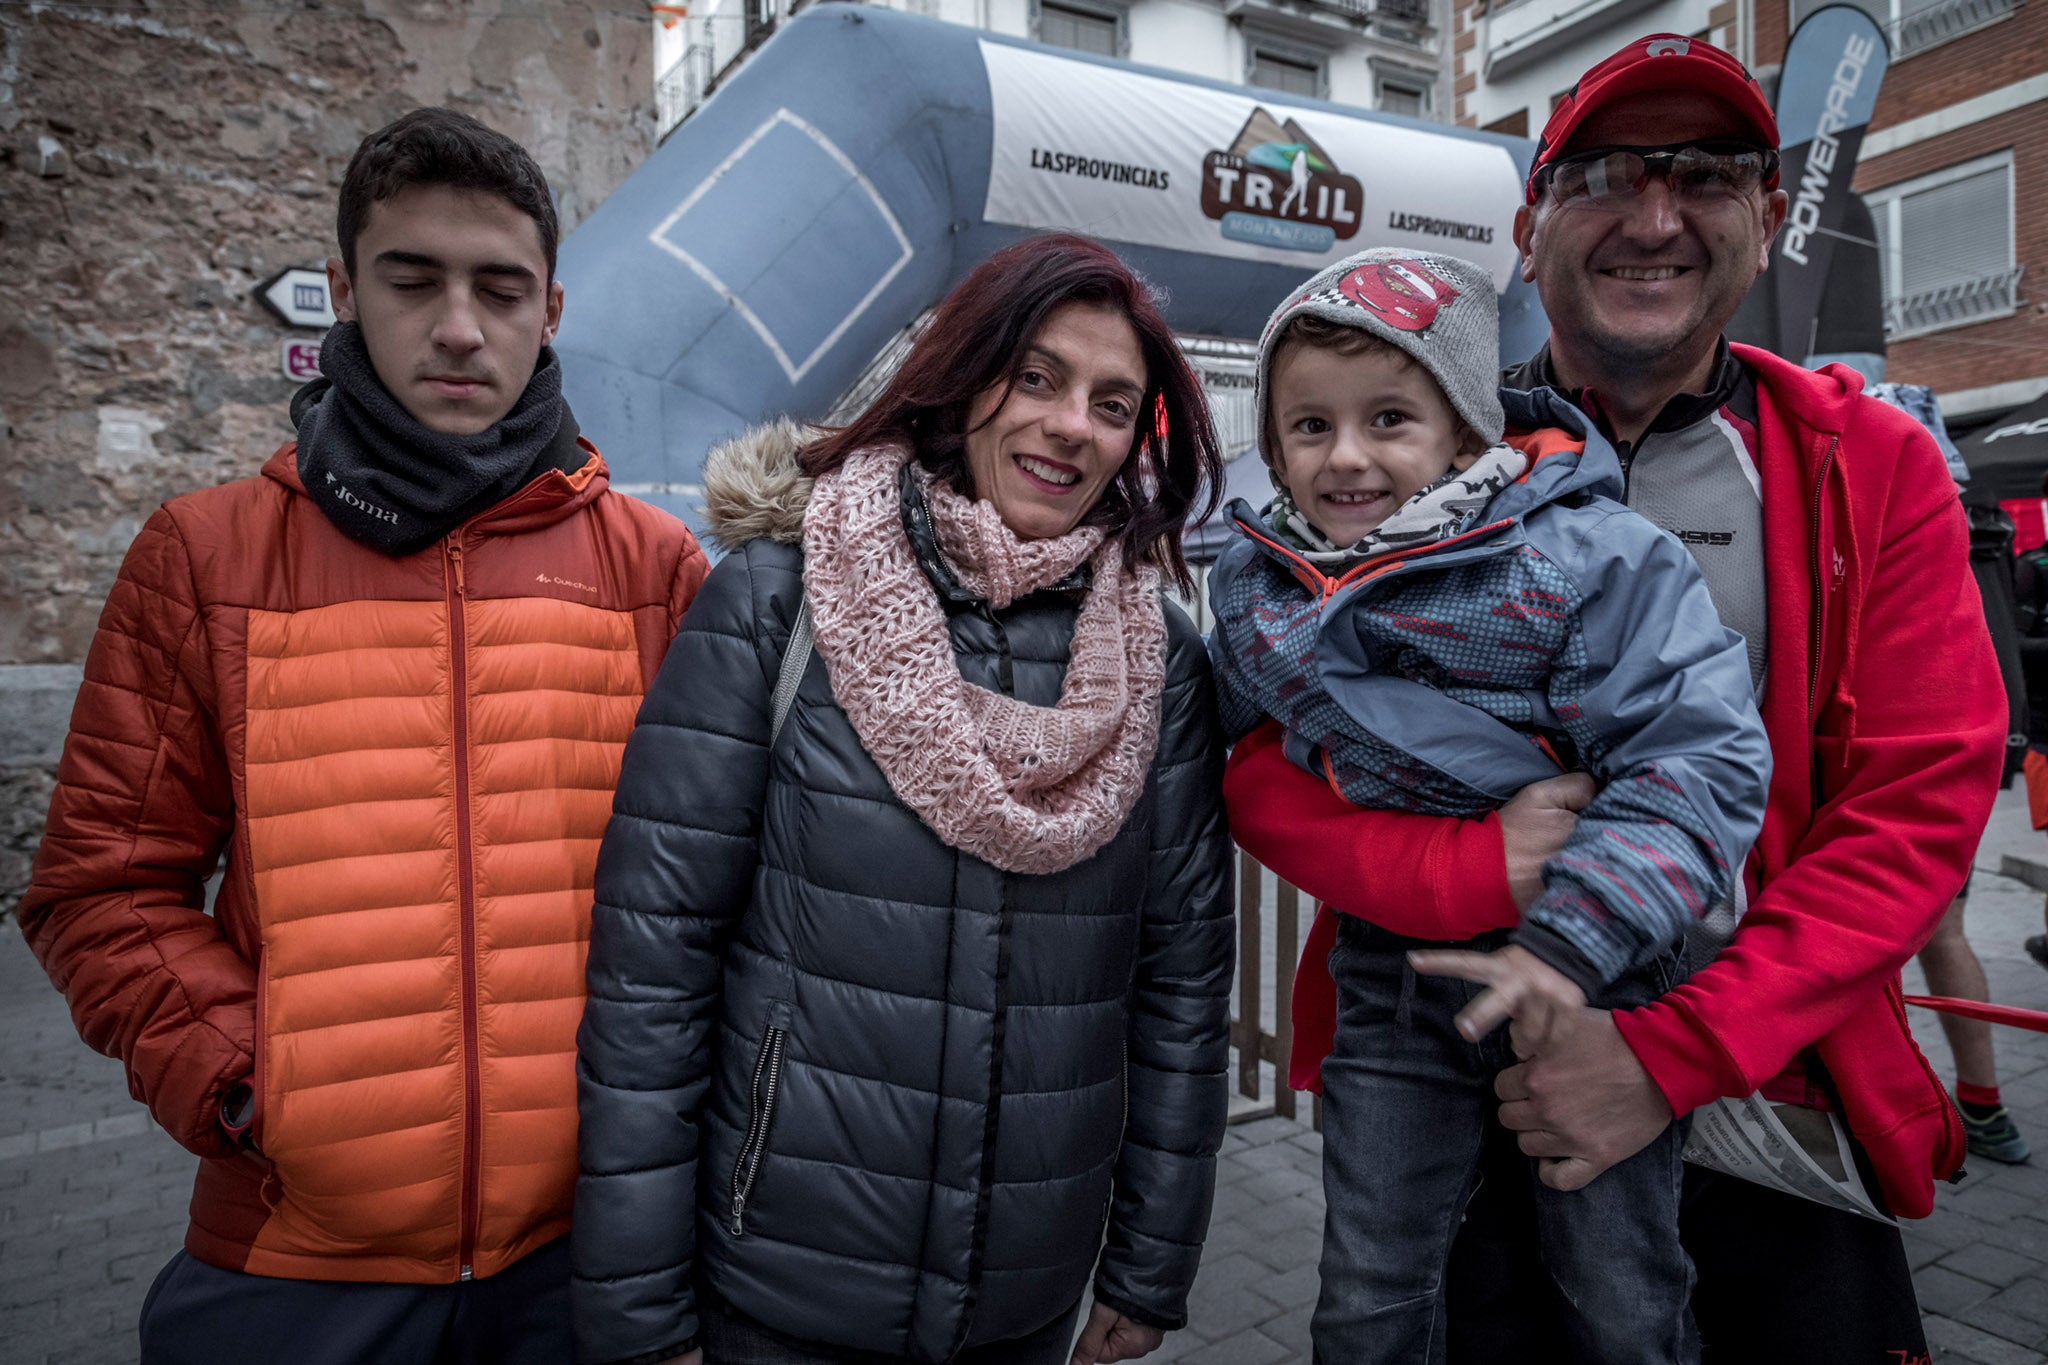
1403 294
1276 187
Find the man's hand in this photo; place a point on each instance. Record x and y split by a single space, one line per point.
1519 986
1110 1335
1535 824
1581 1102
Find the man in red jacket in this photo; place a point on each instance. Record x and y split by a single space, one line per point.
1831 539
389 680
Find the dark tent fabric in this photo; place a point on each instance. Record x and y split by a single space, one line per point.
2030 591
1852 300
1991 562
2008 458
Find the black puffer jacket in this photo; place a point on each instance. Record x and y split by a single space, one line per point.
878 1093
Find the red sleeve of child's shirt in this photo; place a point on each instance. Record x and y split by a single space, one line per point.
1426 876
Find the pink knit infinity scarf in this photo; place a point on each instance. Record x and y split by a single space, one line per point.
1027 788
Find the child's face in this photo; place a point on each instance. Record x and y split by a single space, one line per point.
1360 435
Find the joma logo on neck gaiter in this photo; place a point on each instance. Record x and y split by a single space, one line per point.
342 494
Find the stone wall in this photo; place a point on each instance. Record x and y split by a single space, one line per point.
156 165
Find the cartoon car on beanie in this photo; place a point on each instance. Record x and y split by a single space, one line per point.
1405 294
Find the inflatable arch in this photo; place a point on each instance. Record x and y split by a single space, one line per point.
846 177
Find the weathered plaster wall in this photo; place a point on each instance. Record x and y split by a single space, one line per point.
156 164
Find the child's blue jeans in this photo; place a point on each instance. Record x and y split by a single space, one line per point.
1405 1101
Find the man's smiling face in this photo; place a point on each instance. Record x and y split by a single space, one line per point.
1632 283
451 290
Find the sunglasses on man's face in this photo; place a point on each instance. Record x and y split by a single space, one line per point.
1697 172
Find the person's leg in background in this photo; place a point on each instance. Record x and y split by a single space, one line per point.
2034 774
1953 970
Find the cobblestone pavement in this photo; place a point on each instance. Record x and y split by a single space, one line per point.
92 1198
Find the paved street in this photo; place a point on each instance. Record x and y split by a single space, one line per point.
92 1198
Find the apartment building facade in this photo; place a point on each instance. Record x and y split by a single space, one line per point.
1388 55
1953 164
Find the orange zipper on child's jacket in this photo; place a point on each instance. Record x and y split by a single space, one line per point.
1325 587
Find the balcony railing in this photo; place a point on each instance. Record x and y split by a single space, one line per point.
1944 20
688 81
1953 305
1266 943
1413 14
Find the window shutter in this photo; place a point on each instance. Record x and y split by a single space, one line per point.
1880 10
1956 232
1076 29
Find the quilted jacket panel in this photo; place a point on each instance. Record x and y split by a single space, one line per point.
408 764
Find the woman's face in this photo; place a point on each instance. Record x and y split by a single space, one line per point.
1044 454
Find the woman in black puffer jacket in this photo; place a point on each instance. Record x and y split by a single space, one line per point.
897 999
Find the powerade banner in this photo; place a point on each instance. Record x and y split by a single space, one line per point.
1137 158
1826 94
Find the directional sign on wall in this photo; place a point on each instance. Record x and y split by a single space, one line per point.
301 359
298 297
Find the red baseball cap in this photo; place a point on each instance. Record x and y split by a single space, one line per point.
1660 61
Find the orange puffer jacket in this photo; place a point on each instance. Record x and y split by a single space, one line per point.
409 763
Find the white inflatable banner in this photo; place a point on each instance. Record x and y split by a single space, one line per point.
1135 158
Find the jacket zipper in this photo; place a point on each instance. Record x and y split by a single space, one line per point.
1126 1127
254 1133
1325 587
1818 634
465 881
767 1075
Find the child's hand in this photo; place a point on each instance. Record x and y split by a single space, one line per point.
1519 986
1534 826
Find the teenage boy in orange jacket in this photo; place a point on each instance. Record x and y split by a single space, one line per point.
390 679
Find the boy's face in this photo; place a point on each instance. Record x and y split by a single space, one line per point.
452 291
1359 435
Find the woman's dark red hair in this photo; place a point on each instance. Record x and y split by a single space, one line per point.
977 338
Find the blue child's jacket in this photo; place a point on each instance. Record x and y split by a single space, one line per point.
1442 680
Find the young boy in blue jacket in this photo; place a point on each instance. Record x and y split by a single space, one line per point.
1446 602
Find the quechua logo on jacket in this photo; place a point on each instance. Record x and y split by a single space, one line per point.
1275 186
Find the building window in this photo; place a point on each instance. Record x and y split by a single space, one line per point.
1945 242
1289 75
1914 25
1404 97
1079 29
1514 125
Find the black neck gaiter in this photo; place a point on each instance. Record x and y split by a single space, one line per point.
396 485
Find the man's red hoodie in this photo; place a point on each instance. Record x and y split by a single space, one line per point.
1887 723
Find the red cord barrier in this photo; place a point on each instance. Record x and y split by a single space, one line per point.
2035 1021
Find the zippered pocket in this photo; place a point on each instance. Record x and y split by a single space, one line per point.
258 1073
767 1080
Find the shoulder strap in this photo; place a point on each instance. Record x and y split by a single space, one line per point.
794 659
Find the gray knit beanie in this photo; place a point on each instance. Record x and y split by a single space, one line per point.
1441 310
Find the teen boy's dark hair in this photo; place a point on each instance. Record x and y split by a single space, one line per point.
441 147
